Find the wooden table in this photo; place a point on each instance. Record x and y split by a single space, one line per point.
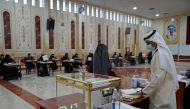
141 102
45 63
72 99
7 66
60 102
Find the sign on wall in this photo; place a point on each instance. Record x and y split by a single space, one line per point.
171 30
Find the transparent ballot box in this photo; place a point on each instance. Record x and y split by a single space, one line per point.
86 90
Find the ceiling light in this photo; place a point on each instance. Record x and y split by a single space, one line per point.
172 19
135 8
157 15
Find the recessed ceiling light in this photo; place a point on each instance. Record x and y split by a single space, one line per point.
157 15
135 8
172 19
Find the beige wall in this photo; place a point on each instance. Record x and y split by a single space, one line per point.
24 41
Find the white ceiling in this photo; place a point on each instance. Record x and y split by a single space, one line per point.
172 7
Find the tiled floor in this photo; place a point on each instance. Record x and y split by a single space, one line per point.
43 87
9 100
23 94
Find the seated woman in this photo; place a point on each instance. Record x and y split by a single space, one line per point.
10 72
67 65
42 69
132 60
141 59
89 59
29 62
53 66
119 60
77 62
75 56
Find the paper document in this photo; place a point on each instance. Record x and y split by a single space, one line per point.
45 58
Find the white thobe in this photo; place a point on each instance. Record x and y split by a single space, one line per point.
160 89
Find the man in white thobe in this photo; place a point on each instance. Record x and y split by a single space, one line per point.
164 84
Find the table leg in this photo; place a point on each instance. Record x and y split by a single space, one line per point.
89 99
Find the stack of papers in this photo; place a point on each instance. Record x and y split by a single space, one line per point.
131 93
45 58
183 79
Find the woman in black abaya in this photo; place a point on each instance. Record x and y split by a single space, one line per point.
101 63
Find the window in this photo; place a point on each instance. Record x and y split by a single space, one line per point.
114 17
121 18
92 9
25 2
137 20
147 23
143 22
75 8
83 10
51 4
88 10
101 13
128 19
125 18
64 5
16 1
150 23
97 12
69 6
107 15
131 19
33 2
134 19
110 15
92 13
58 5
42 3
117 16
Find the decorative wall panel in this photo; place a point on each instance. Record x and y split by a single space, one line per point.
188 31
119 37
135 36
38 32
7 29
107 35
22 35
51 39
99 33
72 35
83 37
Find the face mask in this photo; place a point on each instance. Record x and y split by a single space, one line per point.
150 47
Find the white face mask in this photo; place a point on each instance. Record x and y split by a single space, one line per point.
150 47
